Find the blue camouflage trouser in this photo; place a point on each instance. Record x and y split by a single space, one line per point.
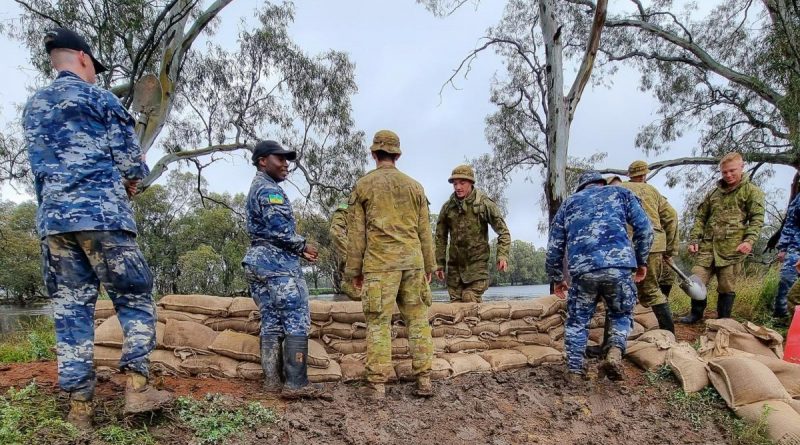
788 277
616 288
282 302
74 265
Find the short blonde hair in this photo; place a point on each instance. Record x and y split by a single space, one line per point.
731 157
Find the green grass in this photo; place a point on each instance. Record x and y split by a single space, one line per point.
29 416
36 340
322 290
214 419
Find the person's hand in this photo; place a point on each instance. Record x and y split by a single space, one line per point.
428 277
744 248
502 265
439 274
310 253
641 272
781 255
131 187
358 282
797 266
561 289
693 248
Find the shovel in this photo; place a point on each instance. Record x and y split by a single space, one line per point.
692 285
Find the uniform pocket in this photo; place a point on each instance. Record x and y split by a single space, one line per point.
126 268
372 298
47 274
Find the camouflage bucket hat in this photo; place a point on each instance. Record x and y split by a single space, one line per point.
613 178
463 171
386 140
589 177
638 168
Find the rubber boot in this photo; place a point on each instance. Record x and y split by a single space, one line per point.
141 397
612 365
725 304
696 314
80 414
295 370
666 289
271 363
597 351
664 316
424 386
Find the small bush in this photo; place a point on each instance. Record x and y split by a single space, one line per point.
214 419
35 340
28 416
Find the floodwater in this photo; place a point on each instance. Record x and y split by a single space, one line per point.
14 318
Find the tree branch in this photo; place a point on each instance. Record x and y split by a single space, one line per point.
585 70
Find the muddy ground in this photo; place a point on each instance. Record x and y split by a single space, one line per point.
530 405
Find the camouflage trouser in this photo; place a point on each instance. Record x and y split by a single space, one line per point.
726 276
667 277
648 289
74 265
615 287
282 302
411 293
467 292
788 277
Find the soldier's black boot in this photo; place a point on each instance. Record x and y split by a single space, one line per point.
696 314
600 350
665 289
295 370
725 304
664 316
271 363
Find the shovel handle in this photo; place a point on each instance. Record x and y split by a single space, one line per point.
678 271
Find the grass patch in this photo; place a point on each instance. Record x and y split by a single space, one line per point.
659 375
29 416
215 419
36 340
322 291
117 435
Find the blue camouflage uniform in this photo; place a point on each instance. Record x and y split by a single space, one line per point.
272 263
81 145
590 229
789 243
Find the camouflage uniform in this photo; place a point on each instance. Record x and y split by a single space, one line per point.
81 147
338 232
392 248
790 244
272 263
465 222
590 229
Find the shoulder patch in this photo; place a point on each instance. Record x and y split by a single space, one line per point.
275 198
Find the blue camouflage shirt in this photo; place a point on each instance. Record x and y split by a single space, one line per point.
81 145
276 247
790 234
591 227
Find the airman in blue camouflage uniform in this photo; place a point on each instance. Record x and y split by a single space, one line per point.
84 158
272 267
789 251
590 229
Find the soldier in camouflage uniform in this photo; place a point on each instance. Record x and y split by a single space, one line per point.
465 218
338 232
590 229
391 260
726 226
272 268
664 220
85 158
788 252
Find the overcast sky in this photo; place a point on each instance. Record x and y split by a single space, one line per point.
403 55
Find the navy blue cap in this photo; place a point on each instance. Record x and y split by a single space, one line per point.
67 39
266 148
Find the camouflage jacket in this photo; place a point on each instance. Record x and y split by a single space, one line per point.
465 222
338 232
81 145
389 227
725 219
663 217
275 245
790 234
590 228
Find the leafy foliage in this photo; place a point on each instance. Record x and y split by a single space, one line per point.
215 419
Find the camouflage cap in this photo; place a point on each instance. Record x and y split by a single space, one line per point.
589 177
638 168
386 140
462 171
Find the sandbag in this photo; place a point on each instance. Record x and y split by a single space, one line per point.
504 359
715 324
166 362
557 333
212 364
166 314
109 333
525 309
356 330
107 356
742 381
237 345
724 342
242 307
787 373
494 311
452 312
250 371
458 344
345 346
440 369
188 335
500 341
240 324
596 335
535 338
687 365
492 327
598 320
400 347
648 356
648 320
636 331
353 368
639 309
536 355
320 310
333 373
197 304
451 330
551 304
661 337
104 309
464 363
782 421
399 330
348 312
530 324
439 345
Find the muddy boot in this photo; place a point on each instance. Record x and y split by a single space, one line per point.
577 378
612 365
80 414
664 316
696 314
424 386
271 363
295 371
140 397
725 304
